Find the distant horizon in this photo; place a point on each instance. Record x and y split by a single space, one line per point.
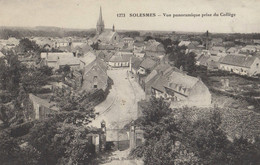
94 29
83 14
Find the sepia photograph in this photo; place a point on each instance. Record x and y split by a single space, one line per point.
129 82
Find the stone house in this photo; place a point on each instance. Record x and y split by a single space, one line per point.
95 75
120 59
154 49
146 66
181 90
57 60
240 64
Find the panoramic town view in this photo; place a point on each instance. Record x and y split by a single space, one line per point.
128 97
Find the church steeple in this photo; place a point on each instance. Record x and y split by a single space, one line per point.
100 23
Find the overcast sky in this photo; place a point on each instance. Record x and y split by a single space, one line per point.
83 14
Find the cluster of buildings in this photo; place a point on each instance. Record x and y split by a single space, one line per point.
9 43
237 59
160 79
90 58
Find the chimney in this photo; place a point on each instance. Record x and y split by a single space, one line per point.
113 28
207 40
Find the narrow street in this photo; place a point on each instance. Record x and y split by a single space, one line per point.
120 107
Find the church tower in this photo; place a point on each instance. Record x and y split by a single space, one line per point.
100 23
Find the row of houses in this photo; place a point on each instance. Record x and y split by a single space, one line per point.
93 69
235 63
9 43
160 79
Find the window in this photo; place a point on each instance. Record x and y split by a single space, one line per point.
95 82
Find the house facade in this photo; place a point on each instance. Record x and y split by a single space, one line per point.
58 60
120 59
181 90
240 64
146 66
95 76
154 49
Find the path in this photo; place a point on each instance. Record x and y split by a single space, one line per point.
120 107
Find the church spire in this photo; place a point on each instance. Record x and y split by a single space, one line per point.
100 16
100 23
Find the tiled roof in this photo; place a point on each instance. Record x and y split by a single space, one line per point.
148 63
218 48
162 67
214 58
238 60
203 60
106 36
159 83
109 55
182 79
88 58
184 43
128 38
84 48
136 62
121 57
233 49
96 62
69 61
54 56
162 76
155 47
152 75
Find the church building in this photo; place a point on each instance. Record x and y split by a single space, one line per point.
105 36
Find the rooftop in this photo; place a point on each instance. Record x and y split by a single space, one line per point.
238 60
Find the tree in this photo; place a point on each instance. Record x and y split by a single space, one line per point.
26 46
60 140
208 140
148 38
186 60
243 152
155 111
162 136
33 79
10 73
95 46
190 65
12 153
46 70
175 137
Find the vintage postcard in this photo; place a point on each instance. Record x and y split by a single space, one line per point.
129 82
